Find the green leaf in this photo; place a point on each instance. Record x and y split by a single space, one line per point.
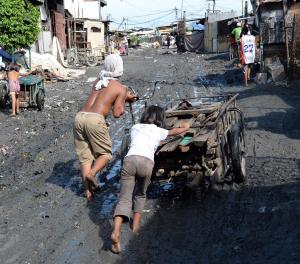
19 23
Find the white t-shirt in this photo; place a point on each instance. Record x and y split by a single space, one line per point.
145 139
248 49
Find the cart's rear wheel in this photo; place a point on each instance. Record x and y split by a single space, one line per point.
3 98
237 147
40 100
91 60
71 61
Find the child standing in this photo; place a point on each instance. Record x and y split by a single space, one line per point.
248 48
137 168
13 73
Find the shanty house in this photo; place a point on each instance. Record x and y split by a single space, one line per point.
216 31
279 27
86 29
52 24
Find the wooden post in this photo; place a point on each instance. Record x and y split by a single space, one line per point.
261 49
286 35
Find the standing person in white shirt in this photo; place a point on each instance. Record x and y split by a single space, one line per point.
248 48
137 168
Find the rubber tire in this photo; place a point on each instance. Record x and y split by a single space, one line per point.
237 154
2 96
40 100
93 62
71 60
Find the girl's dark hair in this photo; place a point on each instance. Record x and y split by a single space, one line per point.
154 115
245 29
13 67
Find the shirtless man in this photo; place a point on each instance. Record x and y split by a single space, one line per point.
92 141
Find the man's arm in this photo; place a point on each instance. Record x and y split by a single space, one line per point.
119 105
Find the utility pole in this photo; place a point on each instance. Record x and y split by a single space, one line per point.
214 5
176 13
99 1
242 8
181 9
246 8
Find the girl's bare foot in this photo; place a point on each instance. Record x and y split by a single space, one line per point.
115 243
136 222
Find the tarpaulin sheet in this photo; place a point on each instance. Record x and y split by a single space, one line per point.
194 42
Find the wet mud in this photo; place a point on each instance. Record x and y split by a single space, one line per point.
44 217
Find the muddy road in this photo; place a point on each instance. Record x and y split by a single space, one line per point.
44 217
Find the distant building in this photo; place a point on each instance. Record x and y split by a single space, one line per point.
278 24
85 27
216 31
52 21
90 9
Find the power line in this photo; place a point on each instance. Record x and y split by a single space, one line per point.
148 21
152 14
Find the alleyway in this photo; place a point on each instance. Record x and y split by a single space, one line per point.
44 217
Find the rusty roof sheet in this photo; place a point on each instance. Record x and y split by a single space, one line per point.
260 2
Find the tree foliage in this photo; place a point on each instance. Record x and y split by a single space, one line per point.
19 23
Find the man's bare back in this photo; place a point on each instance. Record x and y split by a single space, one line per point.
112 96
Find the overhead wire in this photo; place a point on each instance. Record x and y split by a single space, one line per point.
132 22
152 14
148 21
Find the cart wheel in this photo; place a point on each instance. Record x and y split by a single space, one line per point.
71 60
40 100
3 98
237 147
91 60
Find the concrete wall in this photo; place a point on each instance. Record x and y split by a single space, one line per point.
210 37
95 38
45 42
213 42
214 17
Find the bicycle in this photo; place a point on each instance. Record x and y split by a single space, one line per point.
77 57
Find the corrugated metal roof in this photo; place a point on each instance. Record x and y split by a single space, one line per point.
37 1
102 2
260 2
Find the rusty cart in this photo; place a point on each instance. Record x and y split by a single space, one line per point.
211 153
32 92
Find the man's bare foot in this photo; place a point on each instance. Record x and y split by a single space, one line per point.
92 184
115 243
89 195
